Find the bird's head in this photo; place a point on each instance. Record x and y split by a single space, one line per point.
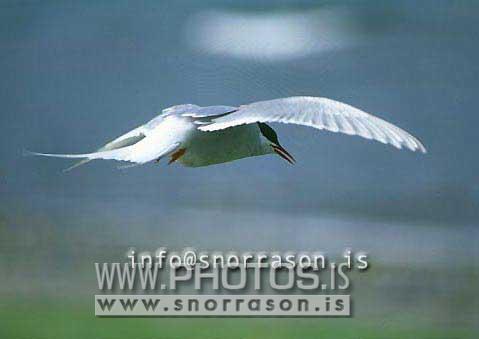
272 143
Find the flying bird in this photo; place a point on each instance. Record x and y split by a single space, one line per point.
201 136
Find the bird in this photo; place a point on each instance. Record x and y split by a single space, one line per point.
196 136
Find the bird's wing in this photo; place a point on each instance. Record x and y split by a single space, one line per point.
148 142
210 111
141 145
195 111
320 113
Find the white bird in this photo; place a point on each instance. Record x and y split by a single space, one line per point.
200 136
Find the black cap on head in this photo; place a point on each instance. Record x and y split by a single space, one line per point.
268 133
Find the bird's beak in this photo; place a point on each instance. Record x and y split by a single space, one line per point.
278 149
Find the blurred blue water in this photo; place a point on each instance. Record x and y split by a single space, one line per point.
77 74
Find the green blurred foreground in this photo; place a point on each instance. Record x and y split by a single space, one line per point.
52 318
422 283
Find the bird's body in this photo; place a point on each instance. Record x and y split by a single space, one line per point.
204 148
200 136
209 148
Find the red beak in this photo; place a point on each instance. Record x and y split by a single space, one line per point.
283 154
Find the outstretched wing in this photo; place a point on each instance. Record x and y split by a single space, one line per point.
155 139
151 141
198 112
320 113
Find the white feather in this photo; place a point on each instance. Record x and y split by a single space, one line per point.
320 113
159 139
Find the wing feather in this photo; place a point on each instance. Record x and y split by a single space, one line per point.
320 113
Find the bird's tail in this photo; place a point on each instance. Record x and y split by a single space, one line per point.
86 157
72 156
121 154
118 154
77 164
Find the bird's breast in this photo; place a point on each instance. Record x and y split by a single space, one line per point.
209 148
